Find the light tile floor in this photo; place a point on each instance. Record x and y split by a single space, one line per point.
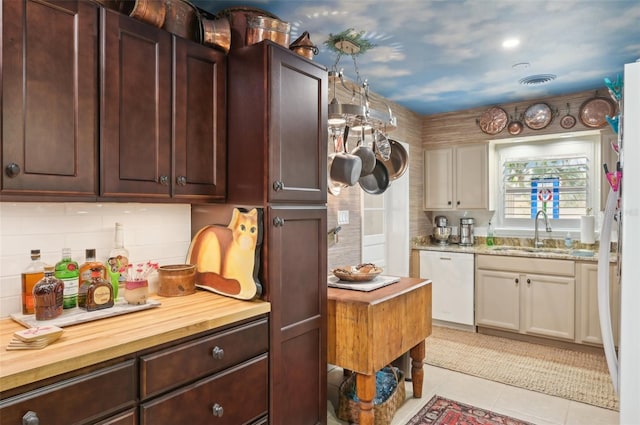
538 408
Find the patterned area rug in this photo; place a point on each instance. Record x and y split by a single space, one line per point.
442 411
570 374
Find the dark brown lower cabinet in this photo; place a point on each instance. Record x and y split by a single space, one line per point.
217 377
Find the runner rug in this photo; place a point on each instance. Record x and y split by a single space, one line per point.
566 373
442 411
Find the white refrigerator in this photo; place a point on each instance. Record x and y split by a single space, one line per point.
625 369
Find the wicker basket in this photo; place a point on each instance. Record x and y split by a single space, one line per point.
349 409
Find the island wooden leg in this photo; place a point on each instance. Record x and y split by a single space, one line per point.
417 354
366 392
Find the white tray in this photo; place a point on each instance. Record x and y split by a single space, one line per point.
75 316
375 283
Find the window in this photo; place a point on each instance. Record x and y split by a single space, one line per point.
557 175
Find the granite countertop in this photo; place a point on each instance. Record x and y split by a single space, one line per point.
517 248
98 341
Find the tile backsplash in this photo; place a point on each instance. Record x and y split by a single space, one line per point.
155 232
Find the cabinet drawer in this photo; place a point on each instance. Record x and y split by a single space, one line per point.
236 396
187 362
80 400
526 265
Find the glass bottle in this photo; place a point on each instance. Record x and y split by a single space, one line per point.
48 295
90 262
30 276
67 271
95 293
117 264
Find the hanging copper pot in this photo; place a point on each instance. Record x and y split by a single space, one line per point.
515 126
304 47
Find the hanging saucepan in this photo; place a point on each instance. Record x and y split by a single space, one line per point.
398 160
377 181
568 121
366 154
515 126
345 167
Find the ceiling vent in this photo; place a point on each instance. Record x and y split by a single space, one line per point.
534 80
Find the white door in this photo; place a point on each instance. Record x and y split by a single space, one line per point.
385 227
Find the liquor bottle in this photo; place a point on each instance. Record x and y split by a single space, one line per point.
30 276
95 293
90 262
67 271
117 264
48 295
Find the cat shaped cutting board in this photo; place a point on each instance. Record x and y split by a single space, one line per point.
227 258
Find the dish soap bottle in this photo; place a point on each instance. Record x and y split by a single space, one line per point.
568 242
490 240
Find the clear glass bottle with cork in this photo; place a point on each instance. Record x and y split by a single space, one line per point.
67 271
48 295
117 264
29 277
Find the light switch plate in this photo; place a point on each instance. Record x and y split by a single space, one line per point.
343 217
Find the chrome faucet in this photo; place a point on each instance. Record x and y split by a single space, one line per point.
536 238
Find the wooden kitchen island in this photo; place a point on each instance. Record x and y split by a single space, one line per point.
368 330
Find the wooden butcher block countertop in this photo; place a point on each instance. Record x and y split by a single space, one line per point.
94 342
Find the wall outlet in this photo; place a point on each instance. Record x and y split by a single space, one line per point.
343 217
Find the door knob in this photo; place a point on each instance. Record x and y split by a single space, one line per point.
12 169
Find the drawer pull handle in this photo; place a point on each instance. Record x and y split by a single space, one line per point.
181 180
217 410
528 281
278 222
217 353
517 281
164 180
278 185
30 418
445 258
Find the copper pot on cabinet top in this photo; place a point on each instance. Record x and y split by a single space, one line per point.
150 11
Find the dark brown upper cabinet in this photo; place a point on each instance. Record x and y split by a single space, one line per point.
163 114
277 144
49 99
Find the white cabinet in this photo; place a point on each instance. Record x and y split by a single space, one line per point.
456 178
451 277
587 315
526 295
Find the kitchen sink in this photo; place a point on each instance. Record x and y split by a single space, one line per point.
549 251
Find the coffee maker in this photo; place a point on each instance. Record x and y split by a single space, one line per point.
441 231
466 231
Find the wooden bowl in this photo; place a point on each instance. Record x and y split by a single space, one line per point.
176 280
359 273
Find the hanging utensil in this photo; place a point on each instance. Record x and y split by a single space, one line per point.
365 153
345 167
381 145
515 126
568 121
398 160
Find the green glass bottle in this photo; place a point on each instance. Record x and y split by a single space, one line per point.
67 271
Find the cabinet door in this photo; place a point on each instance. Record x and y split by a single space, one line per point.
452 279
199 122
49 98
588 315
498 299
277 128
297 129
135 142
438 179
297 289
549 306
471 177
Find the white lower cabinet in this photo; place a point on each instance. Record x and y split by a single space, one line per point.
526 295
587 315
451 276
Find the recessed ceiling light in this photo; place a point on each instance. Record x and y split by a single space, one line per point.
534 80
510 43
